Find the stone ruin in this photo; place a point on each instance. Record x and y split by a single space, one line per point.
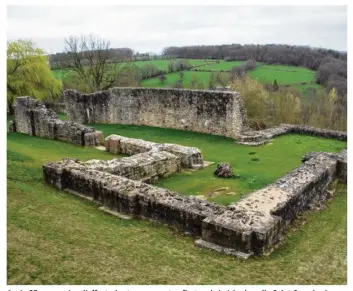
206 111
260 137
148 161
190 157
34 118
252 226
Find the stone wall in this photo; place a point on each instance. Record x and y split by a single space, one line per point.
260 137
213 112
191 157
252 226
147 167
119 194
33 118
57 107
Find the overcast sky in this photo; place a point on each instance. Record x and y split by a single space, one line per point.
147 28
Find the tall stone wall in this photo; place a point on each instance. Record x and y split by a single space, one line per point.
252 226
32 117
213 112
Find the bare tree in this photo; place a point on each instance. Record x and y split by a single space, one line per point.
88 56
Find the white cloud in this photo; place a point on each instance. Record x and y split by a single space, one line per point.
147 28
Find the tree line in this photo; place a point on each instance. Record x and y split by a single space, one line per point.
330 65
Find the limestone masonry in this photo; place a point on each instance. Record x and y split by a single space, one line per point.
33 118
213 112
260 137
191 157
252 226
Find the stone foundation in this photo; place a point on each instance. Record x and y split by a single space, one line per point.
191 157
252 226
212 112
147 167
131 197
33 118
255 138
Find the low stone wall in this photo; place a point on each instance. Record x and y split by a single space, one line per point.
191 157
260 137
33 118
147 167
135 198
252 226
213 112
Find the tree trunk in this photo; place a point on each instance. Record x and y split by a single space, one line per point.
10 110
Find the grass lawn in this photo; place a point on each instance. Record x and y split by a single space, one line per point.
160 64
163 64
172 78
283 76
222 66
56 238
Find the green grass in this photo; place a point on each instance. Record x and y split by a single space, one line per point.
275 159
55 238
172 78
283 76
163 64
221 66
160 64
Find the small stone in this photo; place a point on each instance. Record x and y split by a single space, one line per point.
231 193
224 170
223 189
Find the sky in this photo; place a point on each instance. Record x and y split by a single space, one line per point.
151 28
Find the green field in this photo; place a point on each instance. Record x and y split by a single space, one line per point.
221 66
172 78
283 75
56 238
265 74
160 64
163 64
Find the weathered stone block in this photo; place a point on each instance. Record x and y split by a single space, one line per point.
191 157
33 118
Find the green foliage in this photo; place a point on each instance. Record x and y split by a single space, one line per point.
28 73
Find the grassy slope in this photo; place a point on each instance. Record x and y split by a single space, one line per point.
172 78
265 74
222 66
160 64
56 238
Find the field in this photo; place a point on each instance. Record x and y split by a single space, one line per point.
265 74
56 238
160 64
172 78
221 66
283 74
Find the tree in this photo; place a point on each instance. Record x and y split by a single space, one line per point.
171 66
181 74
162 78
275 86
28 73
88 57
